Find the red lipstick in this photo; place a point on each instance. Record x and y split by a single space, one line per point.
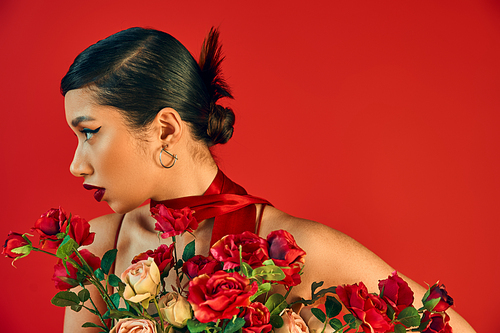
97 194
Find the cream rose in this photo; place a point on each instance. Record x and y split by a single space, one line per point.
142 281
175 309
129 325
292 323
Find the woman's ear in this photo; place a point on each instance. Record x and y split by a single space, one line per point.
168 126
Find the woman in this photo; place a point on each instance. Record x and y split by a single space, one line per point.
146 114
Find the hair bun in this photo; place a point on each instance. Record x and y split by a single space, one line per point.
220 124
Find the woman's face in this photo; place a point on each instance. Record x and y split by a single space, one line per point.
114 163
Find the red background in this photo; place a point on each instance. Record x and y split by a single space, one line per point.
377 118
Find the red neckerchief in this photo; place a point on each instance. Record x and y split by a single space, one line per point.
233 208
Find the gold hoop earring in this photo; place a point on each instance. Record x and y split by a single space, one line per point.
173 156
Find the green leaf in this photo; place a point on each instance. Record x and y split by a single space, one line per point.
89 324
114 281
68 280
115 298
351 320
234 324
99 274
390 312
276 321
263 288
335 323
60 235
276 303
76 307
269 262
409 317
189 251
107 260
269 273
84 295
429 305
318 313
65 298
194 326
246 269
179 263
118 314
398 328
332 307
67 247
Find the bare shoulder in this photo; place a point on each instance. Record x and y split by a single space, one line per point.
105 228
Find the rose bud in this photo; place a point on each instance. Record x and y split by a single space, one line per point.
437 292
175 309
49 225
396 292
285 252
16 246
142 281
130 325
172 222
292 323
435 323
63 280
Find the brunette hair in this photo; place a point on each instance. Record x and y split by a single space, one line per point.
141 71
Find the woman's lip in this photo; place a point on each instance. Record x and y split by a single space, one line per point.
97 194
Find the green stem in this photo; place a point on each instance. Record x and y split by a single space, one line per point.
159 314
98 313
40 250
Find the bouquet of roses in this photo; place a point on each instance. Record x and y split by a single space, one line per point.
231 290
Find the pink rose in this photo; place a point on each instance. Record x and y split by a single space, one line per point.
219 296
62 280
436 323
172 222
163 257
16 246
257 318
142 281
199 265
292 323
439 291
130 325
396 292
54 221
285 252
368 308
254 250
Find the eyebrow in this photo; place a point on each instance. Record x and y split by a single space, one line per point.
78 120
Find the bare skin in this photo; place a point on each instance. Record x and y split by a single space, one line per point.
95 160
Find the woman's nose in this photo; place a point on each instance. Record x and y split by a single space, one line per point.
80 166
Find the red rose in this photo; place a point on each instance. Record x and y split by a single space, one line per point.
219 296
62 280
396 292
257 318
79 231
16 246
172 222
163 257
439 291
199 265
49 225
54 221
285 252
368 308
435 323
254 250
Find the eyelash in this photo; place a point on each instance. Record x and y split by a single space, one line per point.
89 133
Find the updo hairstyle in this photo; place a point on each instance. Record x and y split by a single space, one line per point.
141 71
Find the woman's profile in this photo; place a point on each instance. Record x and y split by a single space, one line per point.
146 114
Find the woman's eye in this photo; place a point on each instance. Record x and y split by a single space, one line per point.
89 132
